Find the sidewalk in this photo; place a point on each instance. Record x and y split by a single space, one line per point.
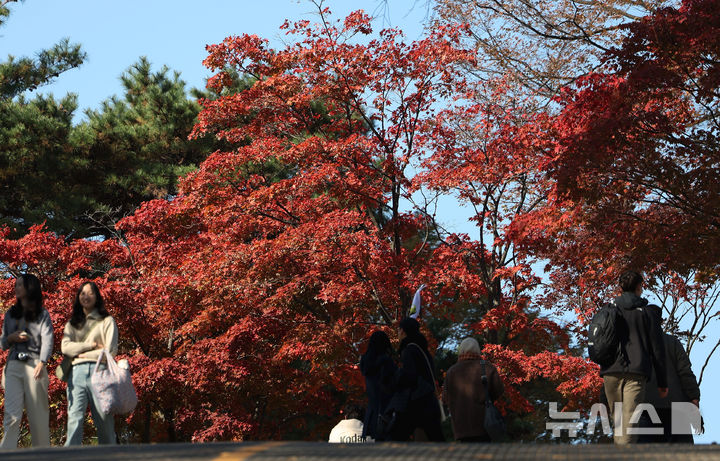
307 451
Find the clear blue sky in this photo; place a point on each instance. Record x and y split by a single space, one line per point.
174 33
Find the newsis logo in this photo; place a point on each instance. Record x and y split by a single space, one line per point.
685 416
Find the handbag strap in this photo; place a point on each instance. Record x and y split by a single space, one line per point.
103 352
432 375
109 360
486 382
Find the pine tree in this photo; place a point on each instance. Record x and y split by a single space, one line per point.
18 75
136 146
35 138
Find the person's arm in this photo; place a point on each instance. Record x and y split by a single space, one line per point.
73 348
445 395
688 381
109 338
4 342
46 337
497 388
388 371
657 346
407 376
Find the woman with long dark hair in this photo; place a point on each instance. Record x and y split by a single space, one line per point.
415 385
90 329
378 368
27 331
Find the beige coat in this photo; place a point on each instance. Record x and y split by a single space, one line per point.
102 331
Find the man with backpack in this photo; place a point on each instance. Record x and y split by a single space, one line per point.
635 337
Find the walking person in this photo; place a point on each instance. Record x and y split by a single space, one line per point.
378 369
641 350
415 383
27 331
682 387
90 329
464 392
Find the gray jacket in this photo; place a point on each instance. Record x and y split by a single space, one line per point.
40 342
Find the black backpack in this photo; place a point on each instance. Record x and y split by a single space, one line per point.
603 338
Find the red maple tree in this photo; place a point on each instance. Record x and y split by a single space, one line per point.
263 278
243 302
634 167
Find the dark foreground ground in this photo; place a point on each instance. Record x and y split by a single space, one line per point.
305 451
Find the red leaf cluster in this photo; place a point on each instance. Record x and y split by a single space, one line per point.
244 302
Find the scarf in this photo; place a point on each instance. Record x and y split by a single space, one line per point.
469 356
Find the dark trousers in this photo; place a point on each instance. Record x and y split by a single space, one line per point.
666 423
421 414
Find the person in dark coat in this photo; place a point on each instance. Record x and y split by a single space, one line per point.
641 350
464 392
682 387
415 384
378 368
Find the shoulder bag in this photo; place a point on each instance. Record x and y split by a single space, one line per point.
493 422
443 416
112 387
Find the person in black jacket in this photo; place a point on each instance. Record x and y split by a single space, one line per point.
682 387
378 368
415 384
641 349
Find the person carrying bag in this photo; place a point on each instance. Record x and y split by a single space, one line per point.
89 336
471 386
414 404
443 416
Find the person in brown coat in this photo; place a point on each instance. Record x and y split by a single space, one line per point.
464 392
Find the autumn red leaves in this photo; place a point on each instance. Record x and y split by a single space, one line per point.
243 302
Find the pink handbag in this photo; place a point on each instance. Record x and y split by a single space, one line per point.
112 387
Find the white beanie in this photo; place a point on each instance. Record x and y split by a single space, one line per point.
469 345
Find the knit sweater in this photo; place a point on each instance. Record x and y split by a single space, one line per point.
40 336
101 331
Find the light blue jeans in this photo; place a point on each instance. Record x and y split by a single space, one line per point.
79 394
